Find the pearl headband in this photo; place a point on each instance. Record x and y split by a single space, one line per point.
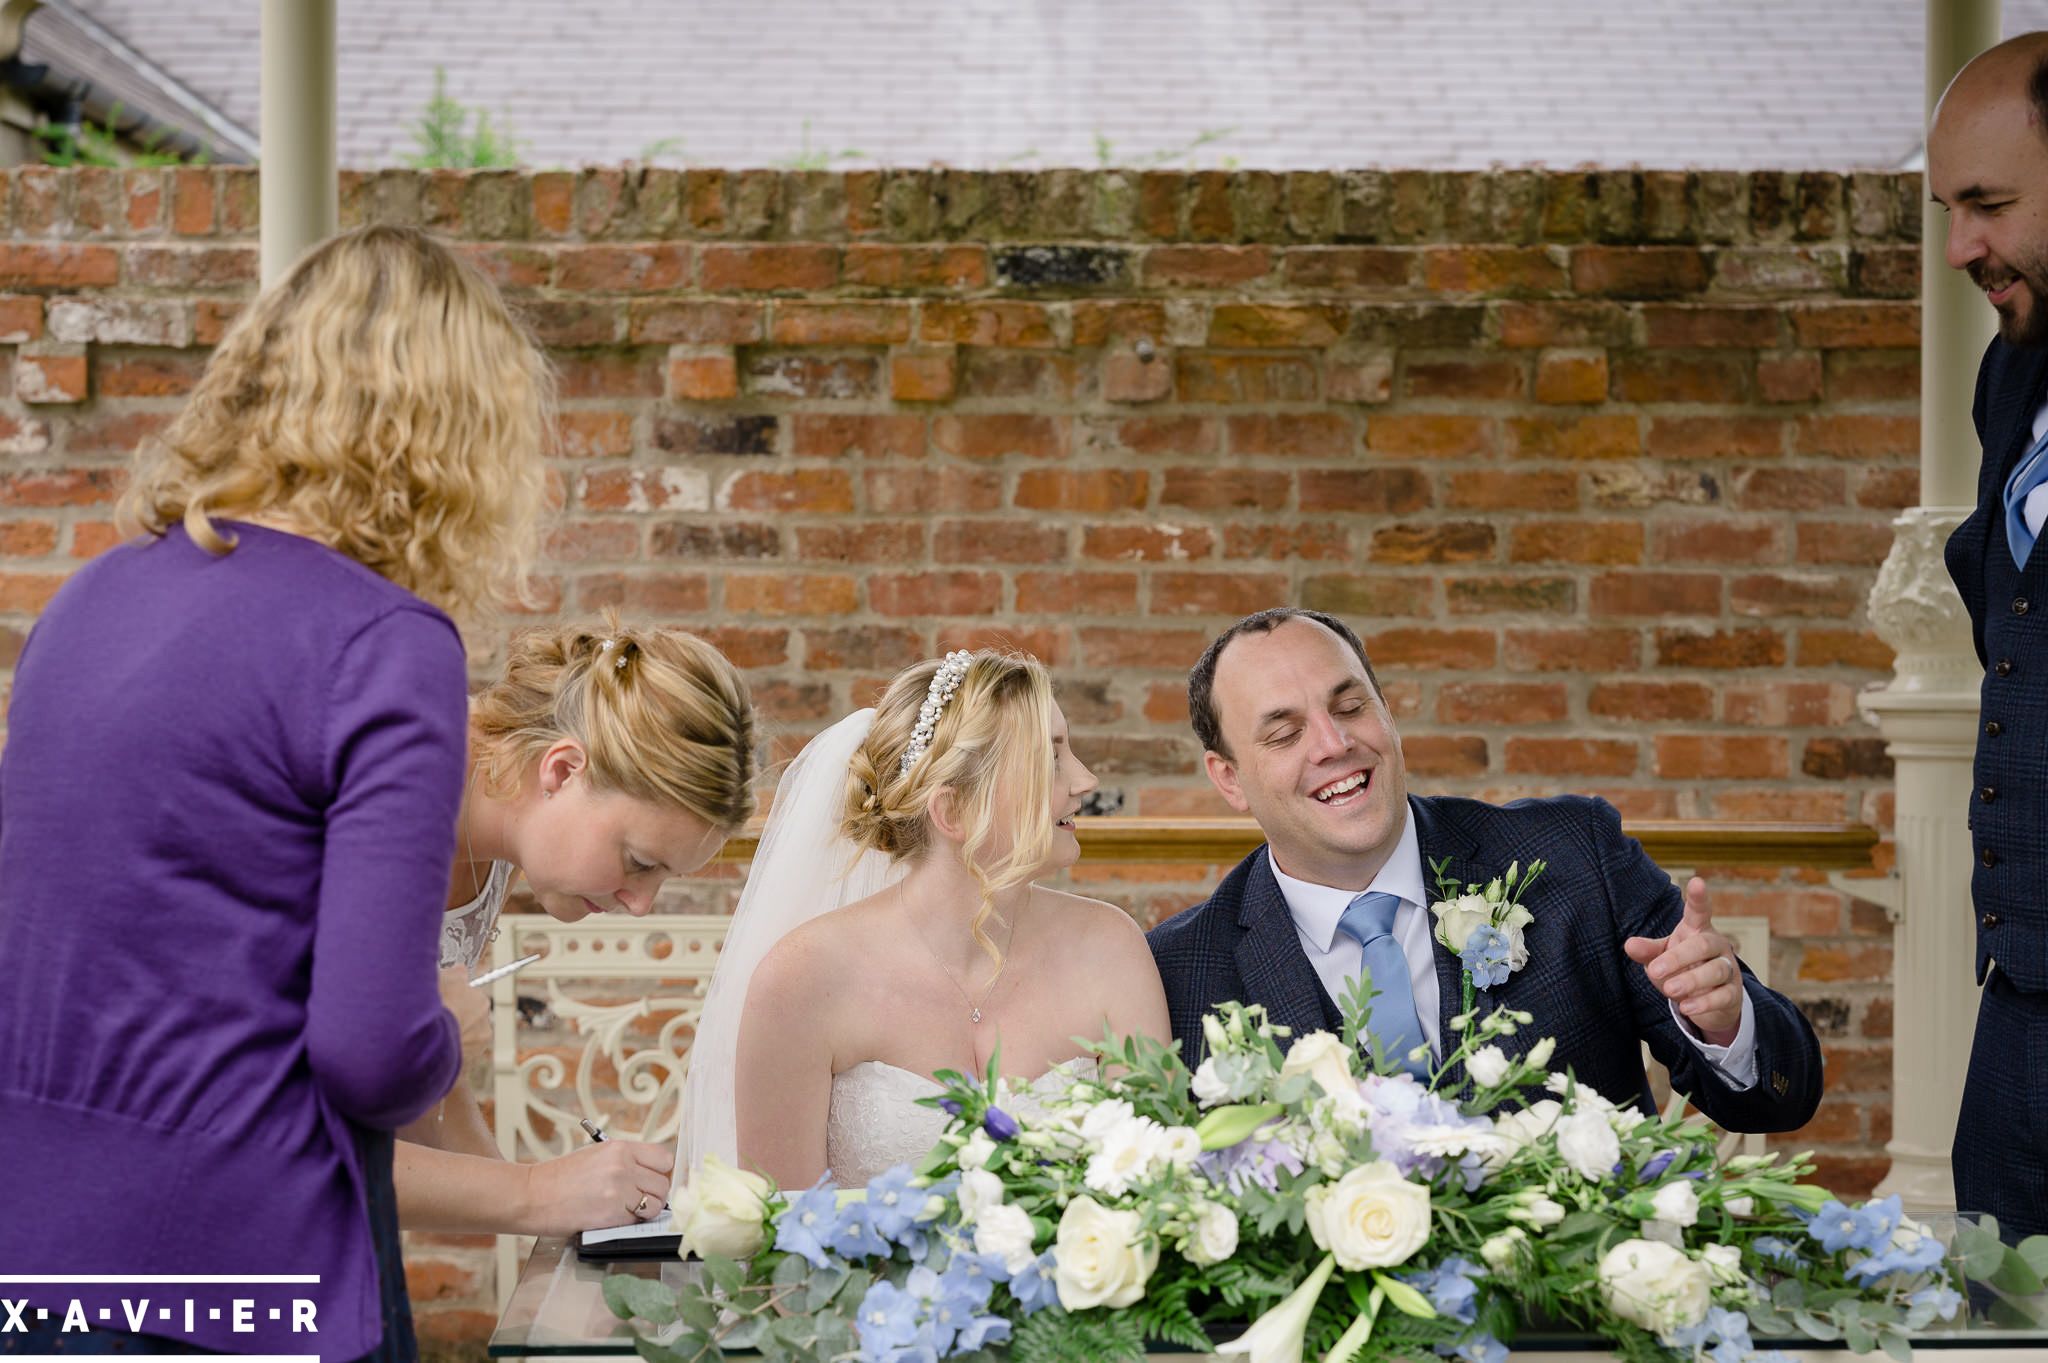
945 682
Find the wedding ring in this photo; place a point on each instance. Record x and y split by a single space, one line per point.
640 1207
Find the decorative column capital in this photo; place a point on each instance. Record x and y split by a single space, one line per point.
1914 607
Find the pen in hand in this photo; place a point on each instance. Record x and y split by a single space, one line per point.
489 975
590 1128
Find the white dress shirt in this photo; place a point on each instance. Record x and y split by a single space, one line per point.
2035 509
1337 956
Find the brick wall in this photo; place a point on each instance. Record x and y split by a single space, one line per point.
1600 464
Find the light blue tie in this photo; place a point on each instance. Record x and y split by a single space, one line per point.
2031 472
1369 921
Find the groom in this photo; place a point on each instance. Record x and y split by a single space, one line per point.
1297 734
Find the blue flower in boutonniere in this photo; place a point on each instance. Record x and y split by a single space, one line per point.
1482 924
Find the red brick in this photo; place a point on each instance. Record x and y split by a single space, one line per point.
1175 435
1147 543
191 267
1821 595
1571 756
1717 541
1888 489
998 541
1716 437
1700 328
1476 380
861 542
211 318
145 188
50 374
704 376
1052 646
808 375
27 539
1849 542
1340 268
1571 376
192 201
1373 491
1376 596
92 538
1866 963
988 324
916 490
587 435
1314 435
1844 647
1795 489
1204 267
1166 703
1570 650
1154 650
839 324
1777 704
1205 376
812 491
1434 542
1613 436
1253 325
113 432
28 593
554 201
993 435
579 542
131 374
1513 491
1720 649
1850 436
1130 377
609 374
649 267
1720 757
815 594
899 268
1077 593
1862 326
1099 491
936 593
864 646
1430 435
1358 376
1315 542
1517 593
1577 542
1493 270
1774 805
560 322
768 268
1532 325
643 490
1656 594
1455 650
695 322
1792 376
25 265
1439 755
923 373
1175 593
1665 377
1501 703
1638 271
1101 322
1227 489
1646 701
817 435
1873 376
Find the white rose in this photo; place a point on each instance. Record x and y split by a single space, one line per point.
1457 919
1654 1285
1103 1118
1676 1203
976 1150
1488 1067
1130 1154
1100 1257
1724 1262
1500 1250
1006 1232
979 1190
1181 1147
1324 1058
1588 1144
1212 1236
1208 1087
721 1210
1539 1054
1370 1218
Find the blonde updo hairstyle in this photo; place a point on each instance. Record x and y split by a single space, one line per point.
380 398
661 716
992 746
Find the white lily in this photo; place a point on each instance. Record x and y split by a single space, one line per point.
1277 1336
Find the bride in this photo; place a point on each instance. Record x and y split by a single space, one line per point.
891 927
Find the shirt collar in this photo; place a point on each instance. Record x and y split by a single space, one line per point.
1316 908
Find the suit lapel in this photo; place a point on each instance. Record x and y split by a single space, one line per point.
2009 420
1271 965
1436 837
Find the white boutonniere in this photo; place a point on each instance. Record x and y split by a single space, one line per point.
1483 924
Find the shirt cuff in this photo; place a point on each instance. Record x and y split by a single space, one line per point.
1735 1063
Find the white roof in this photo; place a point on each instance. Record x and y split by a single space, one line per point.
1735 84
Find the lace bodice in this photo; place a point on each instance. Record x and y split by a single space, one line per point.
875 1121
466 932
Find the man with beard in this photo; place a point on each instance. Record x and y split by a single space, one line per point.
1987 165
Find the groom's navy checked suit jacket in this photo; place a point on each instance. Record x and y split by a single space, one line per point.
1599 889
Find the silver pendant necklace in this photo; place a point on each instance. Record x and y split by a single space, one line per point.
973 1006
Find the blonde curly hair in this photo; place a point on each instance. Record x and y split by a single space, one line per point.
661 716
992 745
380 398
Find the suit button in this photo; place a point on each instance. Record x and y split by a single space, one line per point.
2019 605
1989 857
1988 921
2003 667
1992 729
1987 793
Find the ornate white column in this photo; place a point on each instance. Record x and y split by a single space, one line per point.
298 191
1928 714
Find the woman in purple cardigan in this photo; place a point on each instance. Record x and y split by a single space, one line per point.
227 805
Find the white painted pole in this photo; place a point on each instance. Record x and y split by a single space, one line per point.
298 171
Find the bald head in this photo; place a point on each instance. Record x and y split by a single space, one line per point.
1987 165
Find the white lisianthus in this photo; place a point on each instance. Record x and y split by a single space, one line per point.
1370 1218
1180 1146
1655 1286
1663 1232
1327 1153
1324 1058
1488 1067
1212 1234
1585 1098
1209 1088
1213 1035
1539 1054
1101 1257
1103 1118
1725 1263
1624 1119
1457 919
1741 1208
722 1210
1588 1144
979 1190
976 1150
1677 1203
1005 1231
1130 1154
1500 1250
1529 1125
1511 925
1537 1210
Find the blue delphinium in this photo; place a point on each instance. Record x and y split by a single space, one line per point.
1486 956
807 1225
1722 1333
855 1237
1479 1348
1835 1226
1923 1254
1941 1299
888 1320
1449 1287
1033 1286
1876 1220
1772 1249
892 1203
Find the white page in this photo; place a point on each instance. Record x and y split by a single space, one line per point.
662 1223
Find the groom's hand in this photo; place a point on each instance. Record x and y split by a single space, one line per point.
1695 968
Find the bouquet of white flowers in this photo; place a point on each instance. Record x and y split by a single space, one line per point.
1285 1199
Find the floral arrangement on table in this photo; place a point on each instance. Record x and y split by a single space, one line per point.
1344 1212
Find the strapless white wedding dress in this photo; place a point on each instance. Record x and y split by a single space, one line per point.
876 1122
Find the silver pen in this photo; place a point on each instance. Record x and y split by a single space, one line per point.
590 1128
520 964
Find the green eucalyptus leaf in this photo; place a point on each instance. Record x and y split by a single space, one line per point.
823 1286
743 1333
646 1298
727 1275
1815 1327
682 1349
699 1312
2015 1276
2034 1249
791 1272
